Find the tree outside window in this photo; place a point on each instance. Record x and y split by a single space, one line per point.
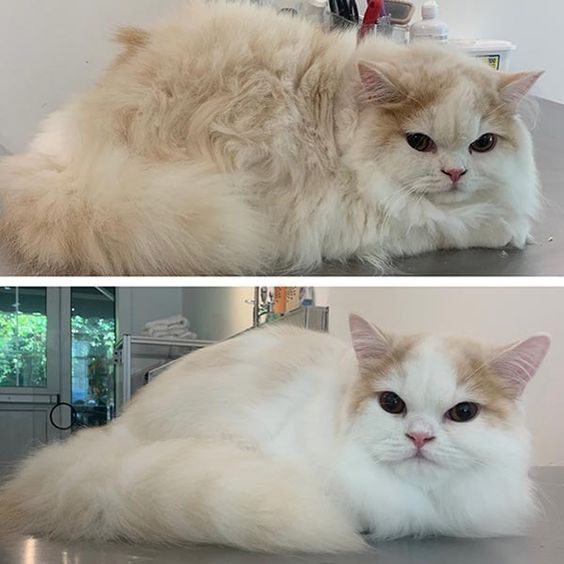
23 338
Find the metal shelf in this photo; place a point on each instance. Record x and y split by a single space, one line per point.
136 356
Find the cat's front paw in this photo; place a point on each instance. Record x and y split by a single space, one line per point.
521 238
519 242
490 239
504 234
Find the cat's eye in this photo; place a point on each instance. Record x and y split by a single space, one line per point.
420 142
392 403
485 143
462 412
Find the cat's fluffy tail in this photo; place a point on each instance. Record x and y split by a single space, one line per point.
107 212
173 491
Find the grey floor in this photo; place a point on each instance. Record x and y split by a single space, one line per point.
544 258
543 545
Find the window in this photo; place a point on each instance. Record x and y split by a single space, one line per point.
93 333
23 337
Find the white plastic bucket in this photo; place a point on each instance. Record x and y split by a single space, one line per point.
496 54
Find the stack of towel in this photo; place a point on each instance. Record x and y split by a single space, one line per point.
177 326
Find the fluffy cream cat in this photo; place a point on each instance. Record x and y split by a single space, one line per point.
284 439
230 140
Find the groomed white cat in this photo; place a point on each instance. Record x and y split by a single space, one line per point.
230 140
284 439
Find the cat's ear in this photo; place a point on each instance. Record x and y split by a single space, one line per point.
368 341
514 86
380 83
516 365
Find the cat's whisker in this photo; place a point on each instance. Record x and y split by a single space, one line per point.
405 192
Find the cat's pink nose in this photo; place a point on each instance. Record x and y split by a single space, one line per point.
420 439
455 173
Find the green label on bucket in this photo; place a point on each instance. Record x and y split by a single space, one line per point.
491 60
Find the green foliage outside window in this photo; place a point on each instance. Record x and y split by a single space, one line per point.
93 341
23 349
23 352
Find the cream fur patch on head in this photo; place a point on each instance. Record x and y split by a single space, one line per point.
494 377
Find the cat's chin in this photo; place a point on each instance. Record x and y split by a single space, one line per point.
420 460
415 459
446 197
420 470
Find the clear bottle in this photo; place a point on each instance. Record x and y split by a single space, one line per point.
313 10
430 27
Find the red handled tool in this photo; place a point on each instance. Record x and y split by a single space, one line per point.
373 12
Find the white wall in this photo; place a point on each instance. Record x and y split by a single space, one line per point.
536 29
54 49
218 313
137 306
214 313
496 315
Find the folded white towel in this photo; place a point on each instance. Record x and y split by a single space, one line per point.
176 334
176 326
165 329
176 321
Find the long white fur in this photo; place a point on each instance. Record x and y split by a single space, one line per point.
254 443
229 140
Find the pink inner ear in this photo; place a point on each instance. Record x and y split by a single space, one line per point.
518 364
514 87
368 341
378 83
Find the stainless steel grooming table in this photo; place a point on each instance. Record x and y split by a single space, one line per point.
543 545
